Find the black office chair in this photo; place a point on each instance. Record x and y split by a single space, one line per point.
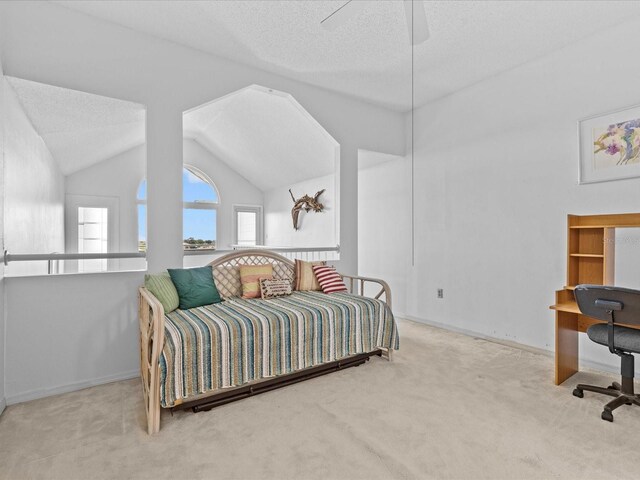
616 306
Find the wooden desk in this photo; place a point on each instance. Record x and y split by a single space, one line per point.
591 260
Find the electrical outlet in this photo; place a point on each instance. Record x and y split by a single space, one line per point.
440 293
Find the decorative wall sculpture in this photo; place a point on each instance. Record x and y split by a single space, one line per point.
306 203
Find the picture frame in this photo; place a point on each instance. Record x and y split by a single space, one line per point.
609 146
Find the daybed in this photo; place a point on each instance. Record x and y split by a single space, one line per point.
211 355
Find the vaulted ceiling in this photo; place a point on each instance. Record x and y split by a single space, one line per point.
265 136
80 129
368 56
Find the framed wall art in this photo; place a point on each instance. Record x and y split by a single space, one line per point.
610 146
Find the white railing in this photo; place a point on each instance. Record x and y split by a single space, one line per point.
51 263
309 254
39 257
54 261
199 257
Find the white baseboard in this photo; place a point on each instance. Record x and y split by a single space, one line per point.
71 387
598 366
601 367
399 315
3 404
483 336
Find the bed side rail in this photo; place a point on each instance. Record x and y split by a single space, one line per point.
356 286
151 316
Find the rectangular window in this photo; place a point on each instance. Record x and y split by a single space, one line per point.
93 237
248 223
199 228
142 227
247 231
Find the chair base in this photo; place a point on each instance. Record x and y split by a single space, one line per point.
622 396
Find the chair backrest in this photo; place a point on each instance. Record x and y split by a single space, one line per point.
597 301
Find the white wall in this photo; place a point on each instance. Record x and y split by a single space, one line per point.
2 299
627 256
67 332
384 222
315 229
47 43
34 190
496 172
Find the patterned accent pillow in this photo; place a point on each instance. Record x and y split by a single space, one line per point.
305 278
164 290
250 276
329 279
271 288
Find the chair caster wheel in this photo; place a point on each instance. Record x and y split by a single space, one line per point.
606 415
611 387
578 393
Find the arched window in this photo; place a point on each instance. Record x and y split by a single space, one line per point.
200 201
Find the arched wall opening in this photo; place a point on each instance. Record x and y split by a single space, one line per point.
263 150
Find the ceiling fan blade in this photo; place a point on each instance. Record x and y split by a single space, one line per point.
416 21
343 14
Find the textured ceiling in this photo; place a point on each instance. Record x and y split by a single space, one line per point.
369 56
80 129
256 128
251 130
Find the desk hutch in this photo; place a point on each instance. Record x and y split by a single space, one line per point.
590 259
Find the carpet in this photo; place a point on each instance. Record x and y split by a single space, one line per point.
449 406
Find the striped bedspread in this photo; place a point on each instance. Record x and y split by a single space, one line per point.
237 341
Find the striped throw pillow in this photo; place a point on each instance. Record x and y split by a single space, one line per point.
330 281
250 276
305 278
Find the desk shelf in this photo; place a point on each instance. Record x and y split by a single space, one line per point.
589 255
569 307
577 227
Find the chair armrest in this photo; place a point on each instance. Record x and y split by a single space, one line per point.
354 280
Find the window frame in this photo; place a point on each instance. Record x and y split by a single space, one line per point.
197 205
257 209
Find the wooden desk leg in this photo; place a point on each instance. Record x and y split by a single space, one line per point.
566 345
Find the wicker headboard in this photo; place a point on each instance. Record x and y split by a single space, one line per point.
226 269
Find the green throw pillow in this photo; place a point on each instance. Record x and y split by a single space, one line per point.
163 289
195 286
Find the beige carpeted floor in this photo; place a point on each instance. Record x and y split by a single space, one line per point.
448 406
